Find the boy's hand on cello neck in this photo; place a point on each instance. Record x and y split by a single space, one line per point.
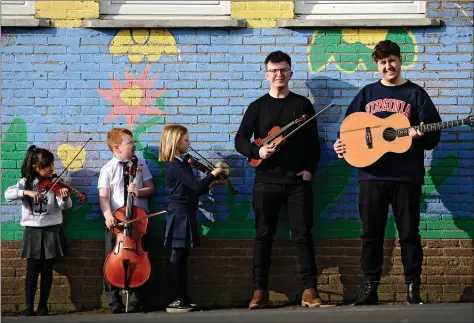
132 188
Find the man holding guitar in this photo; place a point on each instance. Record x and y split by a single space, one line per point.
394 178
283 175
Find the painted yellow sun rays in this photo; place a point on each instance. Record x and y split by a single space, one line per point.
350 49
143 44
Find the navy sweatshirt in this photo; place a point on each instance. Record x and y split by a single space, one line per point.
411 100
300 152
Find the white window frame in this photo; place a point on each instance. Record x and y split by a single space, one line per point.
312 9
18 11
192 9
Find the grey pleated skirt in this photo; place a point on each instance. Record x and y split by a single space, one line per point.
43 242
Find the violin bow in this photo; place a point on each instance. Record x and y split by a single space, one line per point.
138 219
208 162
300 126
64 170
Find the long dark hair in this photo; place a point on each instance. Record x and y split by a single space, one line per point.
35 157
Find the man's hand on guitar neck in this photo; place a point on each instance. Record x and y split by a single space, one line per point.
339 148
266 151
415 134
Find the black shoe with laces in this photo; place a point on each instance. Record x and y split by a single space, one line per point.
368 294
179 306
413 293
28 312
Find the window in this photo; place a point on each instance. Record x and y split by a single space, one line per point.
312 9
17 8
142 9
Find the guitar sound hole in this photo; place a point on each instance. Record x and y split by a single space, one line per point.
389 134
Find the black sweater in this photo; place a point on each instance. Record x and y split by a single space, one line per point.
300 152
411 100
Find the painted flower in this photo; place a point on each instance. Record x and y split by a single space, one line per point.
133 97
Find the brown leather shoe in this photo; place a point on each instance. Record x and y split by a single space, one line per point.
311 298
259 300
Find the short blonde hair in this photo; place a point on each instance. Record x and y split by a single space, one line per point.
169 141
114 137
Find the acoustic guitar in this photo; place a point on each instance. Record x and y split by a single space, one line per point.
367 137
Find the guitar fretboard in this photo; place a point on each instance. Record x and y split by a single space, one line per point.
402 132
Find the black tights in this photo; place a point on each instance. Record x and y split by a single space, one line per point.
35 267
178 273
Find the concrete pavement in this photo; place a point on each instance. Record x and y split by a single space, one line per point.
452 312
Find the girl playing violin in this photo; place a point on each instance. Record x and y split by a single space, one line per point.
181 224
41 216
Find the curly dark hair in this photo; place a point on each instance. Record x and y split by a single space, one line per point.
384 49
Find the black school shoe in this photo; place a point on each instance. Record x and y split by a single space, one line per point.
179 306
28 312
42 311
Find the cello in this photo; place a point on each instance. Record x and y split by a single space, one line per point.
127 265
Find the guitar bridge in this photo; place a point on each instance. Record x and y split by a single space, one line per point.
368 137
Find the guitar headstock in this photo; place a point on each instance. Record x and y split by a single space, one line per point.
469 120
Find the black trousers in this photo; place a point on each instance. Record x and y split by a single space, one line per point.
267 201
35 267
374 200
111 292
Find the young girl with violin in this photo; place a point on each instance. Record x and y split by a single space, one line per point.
184 190
41 216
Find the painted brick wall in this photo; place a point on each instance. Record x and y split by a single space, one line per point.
67 14
63 85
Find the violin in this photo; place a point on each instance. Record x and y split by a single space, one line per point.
55 184
275 135
223 178
127 265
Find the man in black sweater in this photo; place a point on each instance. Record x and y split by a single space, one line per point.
394 179
283 177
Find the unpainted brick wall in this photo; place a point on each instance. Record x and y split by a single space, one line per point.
220 274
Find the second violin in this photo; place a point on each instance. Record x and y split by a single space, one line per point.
206 169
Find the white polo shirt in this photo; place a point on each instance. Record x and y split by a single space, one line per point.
111 176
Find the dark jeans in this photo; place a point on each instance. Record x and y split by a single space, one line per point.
111 292
374 200
35 267
267 201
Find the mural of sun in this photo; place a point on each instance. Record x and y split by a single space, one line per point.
133 97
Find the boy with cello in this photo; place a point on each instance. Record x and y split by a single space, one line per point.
113 191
